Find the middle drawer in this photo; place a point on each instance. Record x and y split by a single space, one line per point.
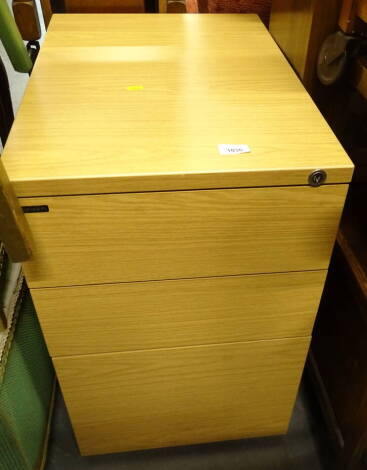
160 314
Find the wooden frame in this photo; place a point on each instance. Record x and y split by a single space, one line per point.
351 15
47 11
299 28
14 230
27 19
162 6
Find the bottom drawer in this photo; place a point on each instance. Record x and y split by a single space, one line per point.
168 397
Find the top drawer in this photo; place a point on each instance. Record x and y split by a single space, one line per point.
182 234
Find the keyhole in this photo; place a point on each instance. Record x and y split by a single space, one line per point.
317 178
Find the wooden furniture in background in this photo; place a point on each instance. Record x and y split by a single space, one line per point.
359 74
299 28
339 344
362 10
94 6
144 224
352 13
162 6
176 6
192 6
104 6
259 7
353 20
46 11
26 17
348 15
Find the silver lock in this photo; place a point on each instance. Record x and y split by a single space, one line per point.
317 178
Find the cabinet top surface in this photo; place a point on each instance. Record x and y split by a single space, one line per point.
141 102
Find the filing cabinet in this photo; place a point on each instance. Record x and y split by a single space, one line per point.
176 282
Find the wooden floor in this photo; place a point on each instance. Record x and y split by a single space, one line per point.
305 447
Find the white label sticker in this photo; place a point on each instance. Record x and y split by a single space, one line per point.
231 149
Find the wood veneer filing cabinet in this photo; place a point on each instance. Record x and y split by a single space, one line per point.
176 286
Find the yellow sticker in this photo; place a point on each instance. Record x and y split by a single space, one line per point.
134 87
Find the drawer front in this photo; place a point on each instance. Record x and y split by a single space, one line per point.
182 234
144 315
167 397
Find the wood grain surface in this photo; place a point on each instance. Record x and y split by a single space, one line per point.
362 10
145 315
347 17
168 397
27 20
300 27
162 6
182 234
46 11
82 129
